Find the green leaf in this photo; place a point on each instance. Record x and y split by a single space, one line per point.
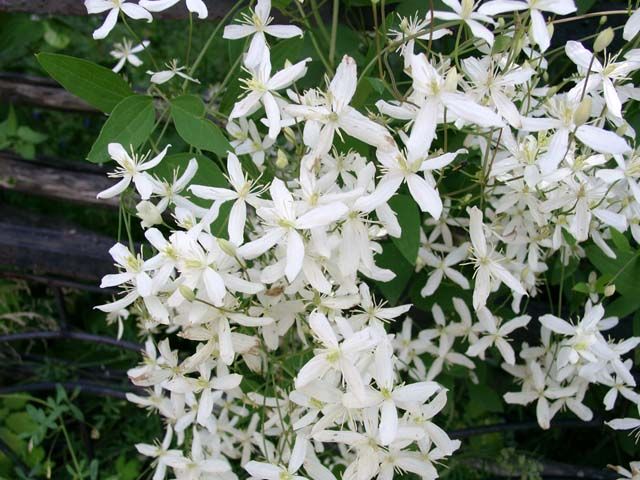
392 259
188 113
483 399
623 306
96 85
408 217
28 135
625 268
501 43
130 124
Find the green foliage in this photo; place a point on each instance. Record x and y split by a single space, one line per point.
408 216
19 138
130 124
623 272
188 113
17 34
395 261
96 85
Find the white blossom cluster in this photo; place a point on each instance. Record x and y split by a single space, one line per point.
280 300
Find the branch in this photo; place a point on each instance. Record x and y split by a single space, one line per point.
520 426
87 387
66 335
25 89
41 177
217 8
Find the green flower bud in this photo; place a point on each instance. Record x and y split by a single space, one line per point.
583 112
282 160
603 40
187 293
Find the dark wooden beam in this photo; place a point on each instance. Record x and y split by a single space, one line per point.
74 181
46 246
39 92
217 8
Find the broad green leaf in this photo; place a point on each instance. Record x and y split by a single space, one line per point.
392 259
620 241
188 113
130 124
408 217
625 268
623 306
96 85
483 399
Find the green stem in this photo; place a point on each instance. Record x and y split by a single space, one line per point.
207 44
334 31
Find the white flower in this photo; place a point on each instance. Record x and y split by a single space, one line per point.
161 454
466 13
243 194
267 471
261 88
165 75
487 263
258 23
195 6
284 222
585 340
335 355
334 114
125 52
132 168
114 7
600 75
442 268
539 31
537 389
389 396
495 334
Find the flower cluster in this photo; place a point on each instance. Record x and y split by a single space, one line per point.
283 363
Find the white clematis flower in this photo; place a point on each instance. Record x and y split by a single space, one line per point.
114 7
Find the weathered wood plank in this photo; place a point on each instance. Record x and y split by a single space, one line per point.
59 180
217 8
45 246
24 89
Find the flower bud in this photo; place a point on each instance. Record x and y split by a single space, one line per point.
603 20
282 161
290 135
148 213
609 290
451 82
227 247
583 112
603 40
187 293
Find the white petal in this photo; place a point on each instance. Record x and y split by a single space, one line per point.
295 255
601 140
425 195
539 30
107 26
